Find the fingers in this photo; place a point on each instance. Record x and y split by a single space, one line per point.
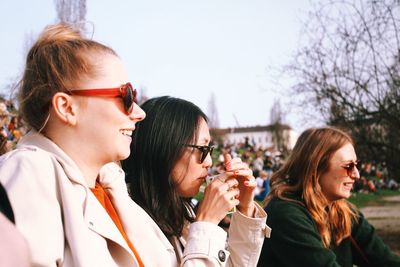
241 172
227 189
244 176
235 167
219 198
231 183
251 182
225 181
234 201
238 164
230 196
227 161
223 177
234 164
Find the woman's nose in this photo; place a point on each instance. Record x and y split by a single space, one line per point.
355 174
207 161
137 113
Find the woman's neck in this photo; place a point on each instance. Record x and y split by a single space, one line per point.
88 164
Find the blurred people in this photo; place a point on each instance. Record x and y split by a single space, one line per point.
169 162
4 145
314 224
4 120
70 201
258 162
262 185
14 129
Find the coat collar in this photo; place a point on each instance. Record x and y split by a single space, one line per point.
140 228
33 140
95 216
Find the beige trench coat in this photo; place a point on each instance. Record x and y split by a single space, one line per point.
65 225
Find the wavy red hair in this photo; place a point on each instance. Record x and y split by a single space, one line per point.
300 177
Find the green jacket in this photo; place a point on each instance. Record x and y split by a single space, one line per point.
295 241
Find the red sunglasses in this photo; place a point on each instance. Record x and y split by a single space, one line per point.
125 91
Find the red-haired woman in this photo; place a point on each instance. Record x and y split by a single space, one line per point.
313 223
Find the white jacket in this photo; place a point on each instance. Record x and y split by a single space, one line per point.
246 236
65 225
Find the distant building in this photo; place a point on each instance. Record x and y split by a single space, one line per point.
259 136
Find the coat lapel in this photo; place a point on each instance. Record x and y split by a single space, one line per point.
142 231
95 216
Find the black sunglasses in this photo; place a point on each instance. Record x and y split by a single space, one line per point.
204 151
125 91
350 167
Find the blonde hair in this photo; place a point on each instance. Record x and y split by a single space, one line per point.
57 62
300 177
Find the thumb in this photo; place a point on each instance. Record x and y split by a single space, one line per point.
227 161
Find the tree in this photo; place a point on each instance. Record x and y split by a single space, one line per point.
71 11
278 129
276 115
212 113
348 70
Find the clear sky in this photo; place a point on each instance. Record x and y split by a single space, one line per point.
188 49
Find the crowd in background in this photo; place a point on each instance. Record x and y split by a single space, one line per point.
263 161
11 128
374 176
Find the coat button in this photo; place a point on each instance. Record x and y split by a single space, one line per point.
221 255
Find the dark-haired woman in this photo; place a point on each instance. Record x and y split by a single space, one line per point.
314 224
169 162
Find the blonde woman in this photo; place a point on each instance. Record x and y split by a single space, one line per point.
72 207
314 224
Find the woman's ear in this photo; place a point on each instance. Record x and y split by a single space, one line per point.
65 107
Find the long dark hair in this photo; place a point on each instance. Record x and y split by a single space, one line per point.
156 147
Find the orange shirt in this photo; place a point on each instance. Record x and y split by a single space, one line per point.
105 201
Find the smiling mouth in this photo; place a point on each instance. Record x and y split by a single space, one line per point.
127 132
348 185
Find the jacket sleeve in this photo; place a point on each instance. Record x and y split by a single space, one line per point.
246 237
377 252
29 179
294 239
206 243
205 246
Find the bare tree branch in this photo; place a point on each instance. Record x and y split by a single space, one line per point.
349 70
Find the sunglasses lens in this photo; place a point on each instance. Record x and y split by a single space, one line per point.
129 97
358 165
350 168
204 153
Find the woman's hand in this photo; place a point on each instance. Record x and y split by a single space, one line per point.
220 196
233 188
247 183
